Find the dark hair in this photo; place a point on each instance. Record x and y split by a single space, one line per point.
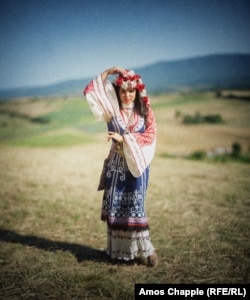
140 106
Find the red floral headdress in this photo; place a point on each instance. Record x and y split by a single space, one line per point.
132 80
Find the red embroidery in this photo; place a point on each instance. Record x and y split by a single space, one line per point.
89 88
148 137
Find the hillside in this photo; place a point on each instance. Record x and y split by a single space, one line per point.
52 241
199 73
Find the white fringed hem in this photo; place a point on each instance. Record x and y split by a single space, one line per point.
128 245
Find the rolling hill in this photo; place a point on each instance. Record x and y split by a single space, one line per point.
199 73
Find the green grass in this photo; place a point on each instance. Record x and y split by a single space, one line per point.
54 140
21 129
179 100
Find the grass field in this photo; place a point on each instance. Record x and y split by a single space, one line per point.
51 238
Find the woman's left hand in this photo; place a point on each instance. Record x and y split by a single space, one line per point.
114 135
112 71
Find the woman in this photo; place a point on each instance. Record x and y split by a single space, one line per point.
124 106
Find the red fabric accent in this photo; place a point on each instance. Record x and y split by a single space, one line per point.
148 137
89 88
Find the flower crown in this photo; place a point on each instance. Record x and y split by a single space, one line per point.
131 80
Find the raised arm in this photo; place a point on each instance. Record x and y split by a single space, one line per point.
101 96
112 71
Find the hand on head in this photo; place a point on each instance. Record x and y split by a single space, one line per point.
116 70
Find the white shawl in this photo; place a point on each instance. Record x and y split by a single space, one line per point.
139 148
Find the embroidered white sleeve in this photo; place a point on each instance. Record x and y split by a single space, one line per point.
101 98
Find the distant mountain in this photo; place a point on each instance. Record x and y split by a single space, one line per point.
199 73
64 88
202 73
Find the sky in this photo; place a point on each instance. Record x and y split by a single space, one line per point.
48 41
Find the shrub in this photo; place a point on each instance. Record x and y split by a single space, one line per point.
213 119
236 149
177 113
198 119
198 155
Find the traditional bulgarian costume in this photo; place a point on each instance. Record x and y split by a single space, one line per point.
127 171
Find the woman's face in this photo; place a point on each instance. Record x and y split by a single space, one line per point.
127 96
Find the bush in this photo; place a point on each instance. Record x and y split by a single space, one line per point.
177 113
198 155
213 119
198 119
236 149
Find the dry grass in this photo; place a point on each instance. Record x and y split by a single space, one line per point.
33 107
52 240
177 138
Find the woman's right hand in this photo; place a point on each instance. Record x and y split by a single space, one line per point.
114 136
